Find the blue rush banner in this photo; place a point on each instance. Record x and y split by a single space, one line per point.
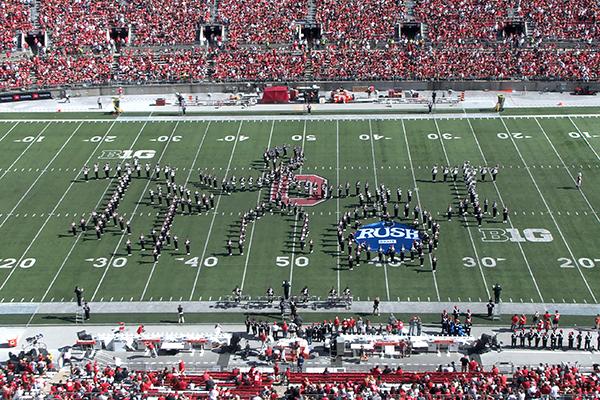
386 234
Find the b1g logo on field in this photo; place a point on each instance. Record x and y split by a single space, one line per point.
316 194
535 235
126 154
387 234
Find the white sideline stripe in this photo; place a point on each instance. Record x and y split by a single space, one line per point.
566 169
212 222
509 219
45 222
38 177
331 117
487 290
548 209
412 170
24 151
99 201
112 257
385 272
187 179
295 217
9 131
255 221
337 200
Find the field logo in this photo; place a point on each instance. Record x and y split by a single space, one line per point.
533 235
315 196
386 234
126 154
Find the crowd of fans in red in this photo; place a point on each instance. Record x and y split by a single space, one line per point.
340 63
77 24
466 62
261 21
14 16
359 20
169 66
455 21
533 383
556 19
27 377
464 41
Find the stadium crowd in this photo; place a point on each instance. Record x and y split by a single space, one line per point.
22 377
14 17
74 25
359 21
153 66
333 63
262 21
465 40
555 20
462 20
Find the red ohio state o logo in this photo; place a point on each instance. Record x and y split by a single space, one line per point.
316 195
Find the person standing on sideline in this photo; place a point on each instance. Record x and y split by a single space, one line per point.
376 306
490 308
100 103
78 295
286 290
86 311
180 317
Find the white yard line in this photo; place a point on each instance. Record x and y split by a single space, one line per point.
583 136
9 131
509 218
8 215
7 170
212 222
189 175
337 200
254 222
187 179
485 285
385 271
412 170
548 210
44 224
64 262
296 217
568 171
144 191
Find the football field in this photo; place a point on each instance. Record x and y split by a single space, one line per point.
548 251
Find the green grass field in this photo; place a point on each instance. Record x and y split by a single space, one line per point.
548 252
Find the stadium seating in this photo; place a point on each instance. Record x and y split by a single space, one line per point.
460 62
14 17
359 20
80 24
460 21
263 21
57 69
557 20
148 66
15 73
29 377
464 41
339 63
245 64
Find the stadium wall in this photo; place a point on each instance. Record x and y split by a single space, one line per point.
236 87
